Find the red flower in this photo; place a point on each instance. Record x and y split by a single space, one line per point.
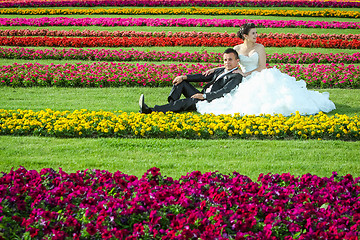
171 41
33 232
16 218
90 228
121 234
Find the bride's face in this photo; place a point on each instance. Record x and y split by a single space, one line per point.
252 36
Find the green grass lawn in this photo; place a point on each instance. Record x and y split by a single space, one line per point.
126 99
175 157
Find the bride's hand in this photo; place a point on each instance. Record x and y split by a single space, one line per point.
208 72
239 71
247 74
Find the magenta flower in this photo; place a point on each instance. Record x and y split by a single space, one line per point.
99 204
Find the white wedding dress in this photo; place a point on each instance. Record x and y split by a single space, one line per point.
268 92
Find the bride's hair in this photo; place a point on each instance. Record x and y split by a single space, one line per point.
245 29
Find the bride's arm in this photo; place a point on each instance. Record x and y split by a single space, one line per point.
262 58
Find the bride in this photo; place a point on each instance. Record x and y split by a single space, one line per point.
264 91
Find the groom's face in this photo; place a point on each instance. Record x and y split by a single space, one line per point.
230 61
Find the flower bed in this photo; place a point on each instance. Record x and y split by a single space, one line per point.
183 11
83 123
97 204
104 74
184 34
134 55
171 41
95 75
308 58
176 3
174 22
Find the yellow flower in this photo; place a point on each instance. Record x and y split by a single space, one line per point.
111 123
184 11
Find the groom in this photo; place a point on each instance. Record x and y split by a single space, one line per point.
220 82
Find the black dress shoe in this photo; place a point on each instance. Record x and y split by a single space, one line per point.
143 107
170 100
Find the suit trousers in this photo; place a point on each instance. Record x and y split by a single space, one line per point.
175 103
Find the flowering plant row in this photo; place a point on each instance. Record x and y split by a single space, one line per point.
95 75
183 11
106 74
84 123
171 41
99 33
307 58
312 36
97 204
176 3
134 55
174 22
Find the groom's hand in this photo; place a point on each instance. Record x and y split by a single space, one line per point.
208 72
198 96
178 79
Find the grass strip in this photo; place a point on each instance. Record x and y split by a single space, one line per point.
176 157
126 98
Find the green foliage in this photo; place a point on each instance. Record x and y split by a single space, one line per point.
175 157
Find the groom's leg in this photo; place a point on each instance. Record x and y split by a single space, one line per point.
183 88
186 104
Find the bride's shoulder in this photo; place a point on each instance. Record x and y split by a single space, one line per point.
238 47
259 46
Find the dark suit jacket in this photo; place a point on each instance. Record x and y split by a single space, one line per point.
220 87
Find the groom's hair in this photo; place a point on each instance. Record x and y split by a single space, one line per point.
231 50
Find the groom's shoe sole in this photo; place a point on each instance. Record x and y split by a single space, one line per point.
143 107
141 101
